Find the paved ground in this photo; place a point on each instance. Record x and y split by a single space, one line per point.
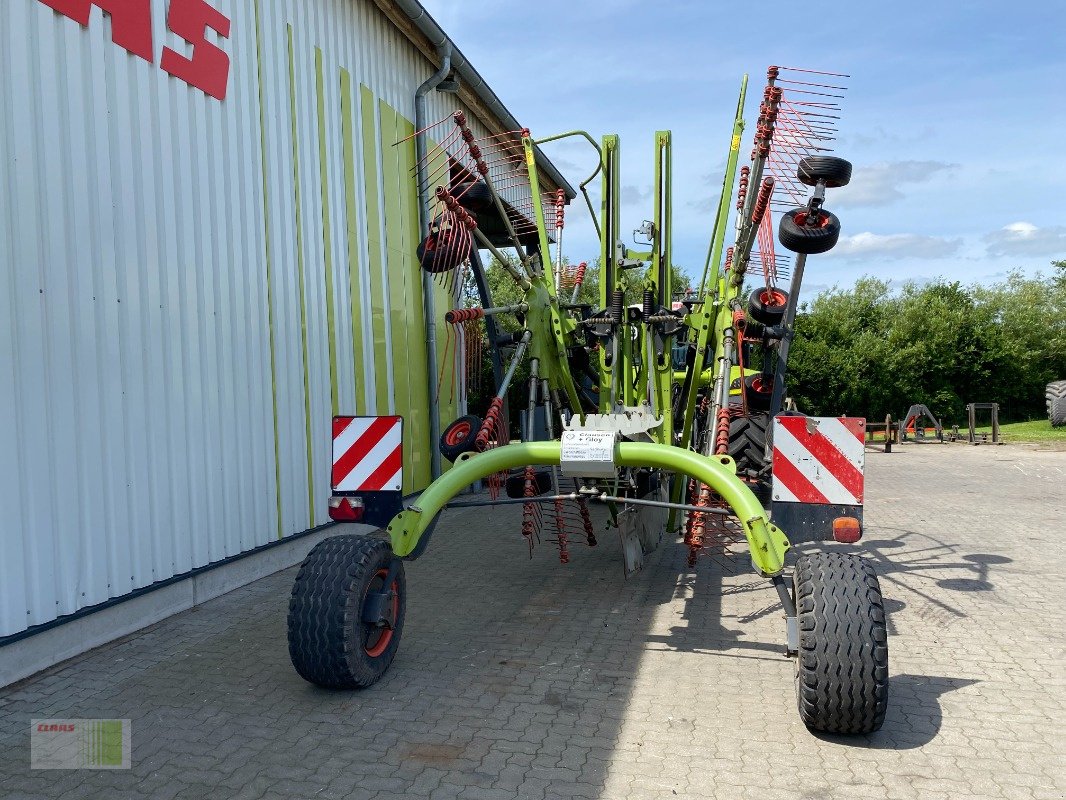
527 679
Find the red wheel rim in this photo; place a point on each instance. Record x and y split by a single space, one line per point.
757 385
457 433
820 222
772 297
377 639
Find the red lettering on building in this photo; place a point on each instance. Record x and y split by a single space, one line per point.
131 21
208 69
131 27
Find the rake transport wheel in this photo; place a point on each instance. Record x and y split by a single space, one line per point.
1055 395
759 391
842 668
459 437
344 623
799 237
836 172
767 305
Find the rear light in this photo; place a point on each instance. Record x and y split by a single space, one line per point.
846 530
345 509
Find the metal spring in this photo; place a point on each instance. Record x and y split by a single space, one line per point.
699 524
721 442
762 201
742 189
560 528
649 304
586 522
618 299
457 315
728 259
492 416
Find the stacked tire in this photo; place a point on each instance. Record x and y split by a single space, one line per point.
1055 395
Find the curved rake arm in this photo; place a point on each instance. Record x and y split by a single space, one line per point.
767 542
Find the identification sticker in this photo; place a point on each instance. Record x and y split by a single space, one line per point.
587 453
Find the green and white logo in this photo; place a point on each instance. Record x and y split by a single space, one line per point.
80 744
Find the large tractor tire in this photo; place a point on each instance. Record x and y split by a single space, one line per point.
747 443
842 668
1055 394
331 642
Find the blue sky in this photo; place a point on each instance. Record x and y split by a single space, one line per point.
955 117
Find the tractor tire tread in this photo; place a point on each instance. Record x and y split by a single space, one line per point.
1055 395
842 667
325 607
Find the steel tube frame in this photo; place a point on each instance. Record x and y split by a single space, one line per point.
768 544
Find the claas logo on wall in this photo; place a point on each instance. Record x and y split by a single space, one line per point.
131 27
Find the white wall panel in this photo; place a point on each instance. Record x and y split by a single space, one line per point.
137 403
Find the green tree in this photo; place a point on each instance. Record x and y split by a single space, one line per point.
870 350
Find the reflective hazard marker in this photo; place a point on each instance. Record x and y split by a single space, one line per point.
819 460
367 454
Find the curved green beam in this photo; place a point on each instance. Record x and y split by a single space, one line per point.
767 542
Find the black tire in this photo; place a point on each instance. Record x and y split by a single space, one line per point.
759 391
767 305
836 172
842 668
329 643
1055 395
443 252
475 197
747 443
797 236
459 437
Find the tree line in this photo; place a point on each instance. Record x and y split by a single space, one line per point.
872 350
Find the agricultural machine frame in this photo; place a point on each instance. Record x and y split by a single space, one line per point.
642 398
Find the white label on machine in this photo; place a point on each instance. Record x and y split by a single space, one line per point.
588 454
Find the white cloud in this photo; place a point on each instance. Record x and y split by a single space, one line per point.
879 184
869 246
1026 239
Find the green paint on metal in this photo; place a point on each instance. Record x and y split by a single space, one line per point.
405 339
420 462
327 233
371 190
268 259
300 281
351 230
768 544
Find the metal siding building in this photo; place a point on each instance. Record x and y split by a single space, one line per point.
193 287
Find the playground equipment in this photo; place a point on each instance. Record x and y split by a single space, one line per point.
655 405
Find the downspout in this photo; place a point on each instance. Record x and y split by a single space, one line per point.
445 51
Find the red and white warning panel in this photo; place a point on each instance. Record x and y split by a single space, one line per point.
367 454
819 460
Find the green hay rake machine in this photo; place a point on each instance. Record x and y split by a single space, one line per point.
655 402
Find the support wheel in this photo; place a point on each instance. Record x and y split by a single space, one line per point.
759 391
767 305
344 623
842 669
836 172
460 437
797 235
